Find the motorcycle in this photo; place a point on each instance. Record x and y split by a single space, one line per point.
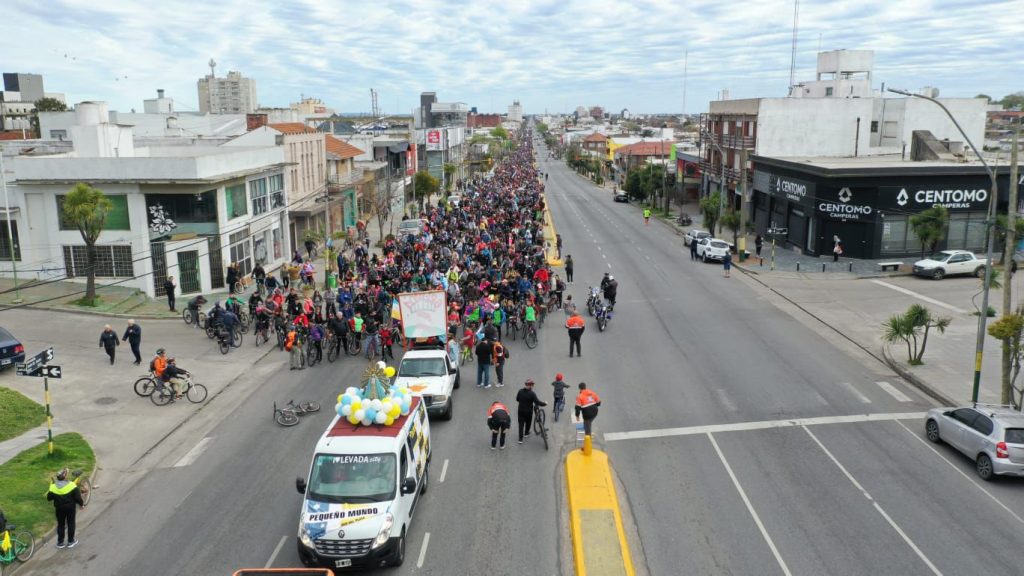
604 314
593 300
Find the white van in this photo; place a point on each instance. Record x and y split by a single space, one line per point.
363 487
428 372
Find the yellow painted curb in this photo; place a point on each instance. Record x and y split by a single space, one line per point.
598 537
549 223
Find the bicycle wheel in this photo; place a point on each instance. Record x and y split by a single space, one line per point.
188 316
280 340
311 406
236 339
353 346
238 288
24 545
531 339
85 487
261 337
224 346
310 355
211 332
144 386
196 393
332 353
162 395
538 420
286 418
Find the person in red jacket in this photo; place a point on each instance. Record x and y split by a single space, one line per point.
498 420
587 403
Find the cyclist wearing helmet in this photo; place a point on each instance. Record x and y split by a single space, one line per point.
559 385
527 399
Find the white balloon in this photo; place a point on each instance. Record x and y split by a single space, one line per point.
381 364
366 422
360 414
352 390
381 417
377 405
346 410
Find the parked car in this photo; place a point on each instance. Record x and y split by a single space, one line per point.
621 197
712 249
11 350
412 226
992 436
950 262
695 235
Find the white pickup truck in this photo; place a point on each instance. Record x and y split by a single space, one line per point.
950 262
429 373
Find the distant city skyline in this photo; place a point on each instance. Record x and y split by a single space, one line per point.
550 55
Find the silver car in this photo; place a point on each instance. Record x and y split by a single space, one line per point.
991 435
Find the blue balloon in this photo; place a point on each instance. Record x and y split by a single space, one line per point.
371 414
346 399
338 408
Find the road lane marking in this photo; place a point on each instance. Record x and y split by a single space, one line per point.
761 425
444 471
893 391
423 550
876 505
273 555
724 399
183 498
969 478
750 507
919 296
856 393
194 453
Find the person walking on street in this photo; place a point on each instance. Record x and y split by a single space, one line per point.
587 403
500 355
560 385
568 268
558 244
169 287
133 334
484 353
499 421
837 249
575 325
758 242
65 496
232 274
727 262
527 399
647 216
109 342
693 250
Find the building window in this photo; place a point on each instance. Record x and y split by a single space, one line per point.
828 91
276 191
111 261
966 231
117 218
5 244
241 251
278 245
258 193
186 208
898 237
874 126
236 201
58 135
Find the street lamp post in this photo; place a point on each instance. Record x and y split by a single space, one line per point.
989 224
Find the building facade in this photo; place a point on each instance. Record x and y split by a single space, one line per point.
233 94
343 179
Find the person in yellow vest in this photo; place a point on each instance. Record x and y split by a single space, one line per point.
647 216
356 326
65 495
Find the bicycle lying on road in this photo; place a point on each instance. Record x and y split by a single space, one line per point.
23 545
288 415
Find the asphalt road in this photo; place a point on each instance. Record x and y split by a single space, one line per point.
689 359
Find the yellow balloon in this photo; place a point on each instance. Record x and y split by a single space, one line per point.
352 419
389 371
404 391
339 398
395 411
389 420
356 405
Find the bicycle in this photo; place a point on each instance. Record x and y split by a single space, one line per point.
558 407
262 333
84 486
372 346
289 414
539 424
465 355
354 344
23 545
312 358
513 327
164 395
330 341
531 336
145 385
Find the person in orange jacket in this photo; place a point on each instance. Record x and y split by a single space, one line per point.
575 324
498 420
587 403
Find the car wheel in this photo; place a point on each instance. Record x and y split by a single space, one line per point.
399 557
931 430
704 257
425 481
458 379
448 411
939 274
979 272
984 467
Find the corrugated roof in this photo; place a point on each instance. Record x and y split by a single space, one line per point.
657 148
342 149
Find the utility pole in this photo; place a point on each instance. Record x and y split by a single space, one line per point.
742 187
1006 396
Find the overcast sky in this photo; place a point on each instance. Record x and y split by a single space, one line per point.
551 55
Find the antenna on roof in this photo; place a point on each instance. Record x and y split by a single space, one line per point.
792 57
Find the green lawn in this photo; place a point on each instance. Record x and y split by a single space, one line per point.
25 478
18 414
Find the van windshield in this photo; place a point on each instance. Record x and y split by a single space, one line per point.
352 478
419 367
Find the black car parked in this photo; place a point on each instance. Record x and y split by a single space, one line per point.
11 350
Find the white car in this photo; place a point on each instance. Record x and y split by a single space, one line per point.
950 262
430 374
412 226
712 249
695 235
454 201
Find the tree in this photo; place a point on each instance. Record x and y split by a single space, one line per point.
912 329
985 96
500 133
1013 101
425 186
634 187
710 209
731 220
930 227
449 170
45 105
86 208
1009 329
1001 223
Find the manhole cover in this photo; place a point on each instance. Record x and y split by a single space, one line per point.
106 400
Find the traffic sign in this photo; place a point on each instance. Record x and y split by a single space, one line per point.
32 364
21 369
778 231
50 371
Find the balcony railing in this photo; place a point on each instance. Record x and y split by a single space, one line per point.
733 141
338 182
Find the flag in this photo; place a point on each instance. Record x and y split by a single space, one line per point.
5 546
396 313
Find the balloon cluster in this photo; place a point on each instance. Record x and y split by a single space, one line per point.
358 407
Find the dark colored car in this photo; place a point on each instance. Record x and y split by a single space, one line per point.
621 197
11 350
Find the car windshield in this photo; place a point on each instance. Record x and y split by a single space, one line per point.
719 244
414 367
939 256
1015 435
352 478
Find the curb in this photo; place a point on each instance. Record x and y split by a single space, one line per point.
909 376
593 503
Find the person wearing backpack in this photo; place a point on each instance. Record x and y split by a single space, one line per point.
500 355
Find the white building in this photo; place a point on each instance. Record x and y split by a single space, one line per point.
515 112
234 94
186 211
841 74
18 100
